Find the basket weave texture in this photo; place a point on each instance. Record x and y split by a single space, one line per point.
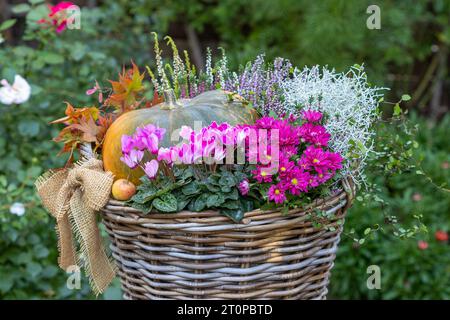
192 255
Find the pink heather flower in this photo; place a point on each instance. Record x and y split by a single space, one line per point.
277 193
297 181
127 144
244 187
151 168
312 116
132 158
315 134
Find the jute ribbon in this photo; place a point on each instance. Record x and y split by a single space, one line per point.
73 196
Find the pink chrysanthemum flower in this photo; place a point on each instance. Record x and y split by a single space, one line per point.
314 134
244 187
311 116
277 193
297 181
262 174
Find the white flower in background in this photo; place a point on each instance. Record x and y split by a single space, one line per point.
17 208
17 93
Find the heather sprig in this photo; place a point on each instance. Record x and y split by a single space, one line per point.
260 83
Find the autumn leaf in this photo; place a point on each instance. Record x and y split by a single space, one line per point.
104 122
126 93
88 128
73 115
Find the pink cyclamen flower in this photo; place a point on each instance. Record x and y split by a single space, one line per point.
132 158
151 168
311 115
127 144
244 187
148 137
277 193
165 154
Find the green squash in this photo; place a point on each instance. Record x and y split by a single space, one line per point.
217 105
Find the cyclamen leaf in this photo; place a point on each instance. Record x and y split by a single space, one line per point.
231 204
235 215
213 201
166 203
145 208
191 189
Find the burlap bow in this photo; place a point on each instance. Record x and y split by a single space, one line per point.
73 196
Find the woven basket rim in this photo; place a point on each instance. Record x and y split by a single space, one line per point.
346 191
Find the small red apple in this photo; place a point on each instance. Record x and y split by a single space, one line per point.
123 189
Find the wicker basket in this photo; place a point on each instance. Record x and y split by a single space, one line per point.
191 255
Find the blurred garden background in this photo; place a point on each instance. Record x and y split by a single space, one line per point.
409 54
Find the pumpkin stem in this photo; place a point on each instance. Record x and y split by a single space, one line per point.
170 100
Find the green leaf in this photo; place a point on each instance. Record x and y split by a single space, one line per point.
166 203
6 281
145 208
36 1
406 97
21 8
182 203
40 251
7 24
191 188
235 215
28 128
199 204
34 269
397 110
51 58
227 180
367 231
233 195
213 201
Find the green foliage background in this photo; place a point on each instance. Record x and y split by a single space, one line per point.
62 67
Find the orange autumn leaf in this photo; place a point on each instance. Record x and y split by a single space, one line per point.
81 126
126 93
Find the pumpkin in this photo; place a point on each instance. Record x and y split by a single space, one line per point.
216 105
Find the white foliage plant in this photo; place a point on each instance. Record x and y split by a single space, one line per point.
350 107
